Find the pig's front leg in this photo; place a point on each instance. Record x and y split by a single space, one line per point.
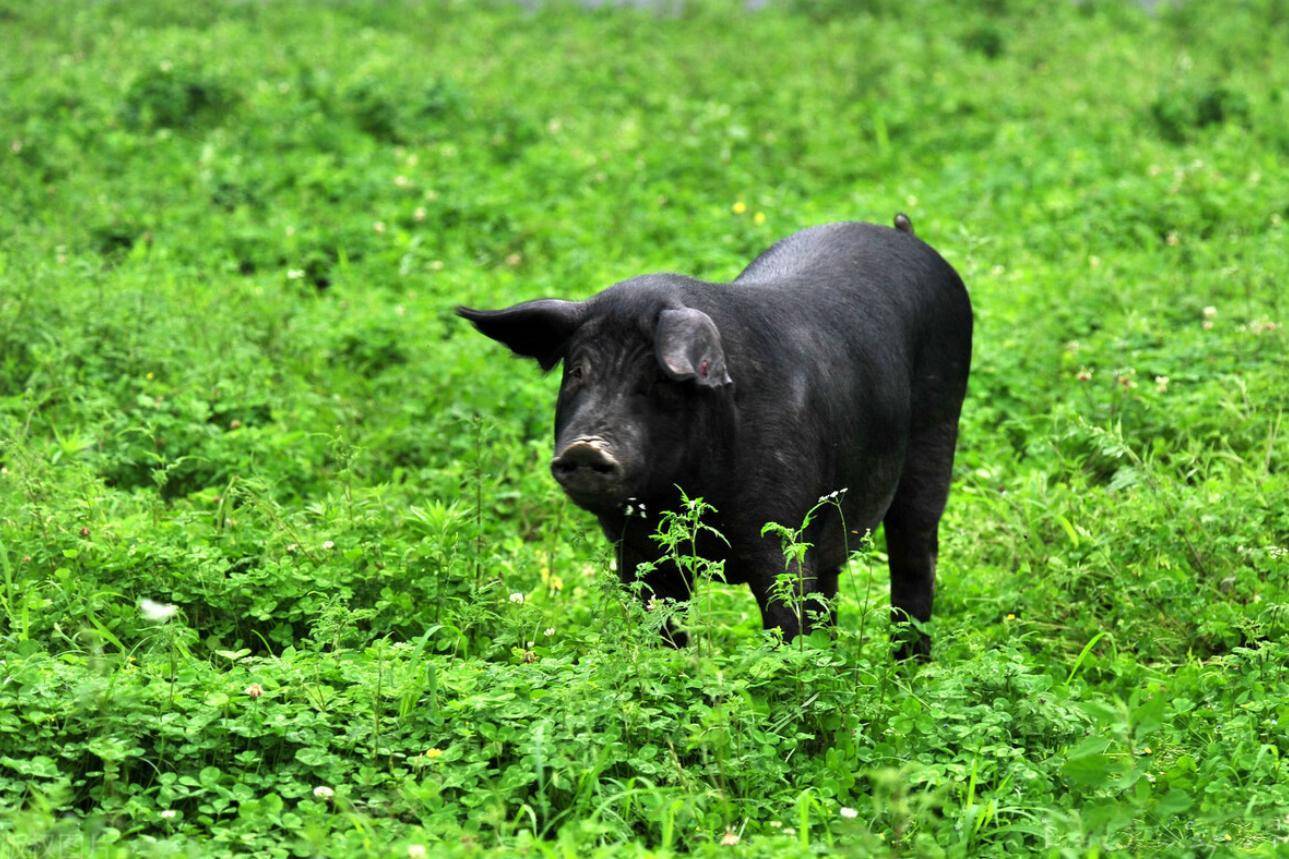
788 594
661 584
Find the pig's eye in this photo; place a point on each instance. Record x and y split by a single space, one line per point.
575 373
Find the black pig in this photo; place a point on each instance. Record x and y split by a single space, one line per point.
837 360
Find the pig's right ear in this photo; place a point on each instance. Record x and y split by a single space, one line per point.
535 329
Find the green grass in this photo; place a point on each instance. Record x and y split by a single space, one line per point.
230 380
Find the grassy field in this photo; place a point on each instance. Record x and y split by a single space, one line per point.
231 236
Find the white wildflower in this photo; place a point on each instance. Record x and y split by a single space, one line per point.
416 851
169 814
848 812
323 792
157 612
517 598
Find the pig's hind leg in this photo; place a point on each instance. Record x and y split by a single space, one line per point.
912 534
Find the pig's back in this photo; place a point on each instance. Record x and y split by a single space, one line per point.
886 298
860 259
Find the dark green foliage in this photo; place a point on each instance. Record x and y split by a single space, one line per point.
231 382
166 97
986 40
1180 112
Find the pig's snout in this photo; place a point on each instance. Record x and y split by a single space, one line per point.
587 470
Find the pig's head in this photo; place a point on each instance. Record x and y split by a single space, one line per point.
644 384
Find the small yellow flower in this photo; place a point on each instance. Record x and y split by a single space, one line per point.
150 376
738 208
1011 616
758 218
434 754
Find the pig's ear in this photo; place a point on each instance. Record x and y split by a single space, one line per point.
688 345
535 329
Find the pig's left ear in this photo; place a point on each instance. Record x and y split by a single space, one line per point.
688 345
535 329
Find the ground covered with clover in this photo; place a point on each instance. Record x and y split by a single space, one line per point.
283 572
